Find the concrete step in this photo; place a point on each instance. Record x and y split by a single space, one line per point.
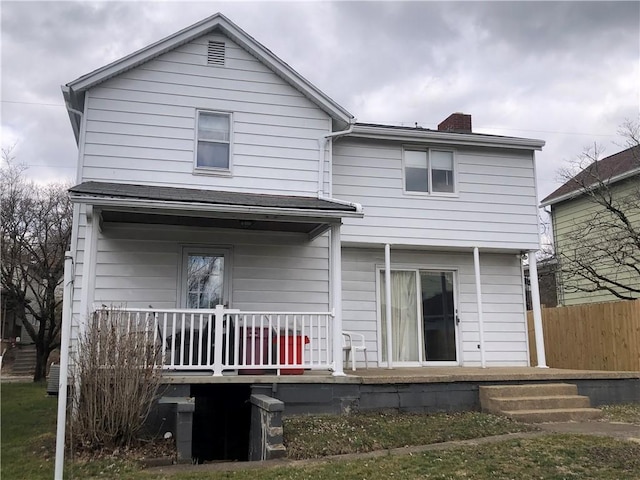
529 390
25 362
539 403
554 415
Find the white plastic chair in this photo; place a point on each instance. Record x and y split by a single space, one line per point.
351 343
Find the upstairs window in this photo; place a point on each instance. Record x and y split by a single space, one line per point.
429 171
213 141
442 171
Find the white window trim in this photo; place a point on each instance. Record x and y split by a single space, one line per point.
222 251
430 193
212 170
456 302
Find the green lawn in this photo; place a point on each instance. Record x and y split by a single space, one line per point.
28 427
551 457
319 436
28 441
626 413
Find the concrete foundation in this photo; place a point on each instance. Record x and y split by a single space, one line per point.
390 390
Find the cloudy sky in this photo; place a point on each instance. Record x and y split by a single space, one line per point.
567 73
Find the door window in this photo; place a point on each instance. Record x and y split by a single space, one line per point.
404 317
205 281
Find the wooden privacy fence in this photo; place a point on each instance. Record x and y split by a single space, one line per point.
597 336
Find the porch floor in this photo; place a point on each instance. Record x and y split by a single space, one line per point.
407 375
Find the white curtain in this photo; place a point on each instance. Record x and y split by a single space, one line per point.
404 317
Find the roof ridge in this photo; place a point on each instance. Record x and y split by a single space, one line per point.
610 169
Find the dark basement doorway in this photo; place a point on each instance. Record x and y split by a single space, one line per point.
221 422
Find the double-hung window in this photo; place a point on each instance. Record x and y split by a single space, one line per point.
429 171
213 142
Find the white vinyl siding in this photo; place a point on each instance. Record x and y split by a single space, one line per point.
141 124
503 305
495 205
140 265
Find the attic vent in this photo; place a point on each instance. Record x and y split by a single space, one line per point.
215 53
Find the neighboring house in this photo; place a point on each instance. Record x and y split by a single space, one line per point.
211 173
595 217
547 272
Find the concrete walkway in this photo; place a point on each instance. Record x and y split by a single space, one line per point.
620 431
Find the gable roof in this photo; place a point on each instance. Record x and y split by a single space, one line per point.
74 91
611 169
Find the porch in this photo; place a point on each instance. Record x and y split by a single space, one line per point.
413 375
227 342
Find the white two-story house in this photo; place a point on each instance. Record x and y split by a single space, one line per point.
226 204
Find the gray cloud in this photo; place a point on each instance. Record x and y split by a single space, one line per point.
563 71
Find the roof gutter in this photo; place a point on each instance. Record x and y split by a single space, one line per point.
212 208
437 137
581 190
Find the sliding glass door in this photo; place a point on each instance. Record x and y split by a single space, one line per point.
423 317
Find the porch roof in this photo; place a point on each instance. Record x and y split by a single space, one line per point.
123 202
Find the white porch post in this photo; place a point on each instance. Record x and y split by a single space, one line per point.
65 343
218 322
336 282
387 299
537 312
476 265
88 266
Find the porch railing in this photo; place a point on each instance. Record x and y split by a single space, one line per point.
227 340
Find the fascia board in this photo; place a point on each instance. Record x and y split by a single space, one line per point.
73 117
211 208
236 34
579 191
421 136
288 74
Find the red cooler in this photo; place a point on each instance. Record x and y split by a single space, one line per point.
256 349
290 345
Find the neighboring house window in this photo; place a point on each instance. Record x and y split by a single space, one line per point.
429 171
213 150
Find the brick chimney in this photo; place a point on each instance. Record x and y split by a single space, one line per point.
456 122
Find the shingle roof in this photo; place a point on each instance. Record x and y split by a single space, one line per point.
607 168
213 197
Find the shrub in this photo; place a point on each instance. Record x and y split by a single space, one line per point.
115 379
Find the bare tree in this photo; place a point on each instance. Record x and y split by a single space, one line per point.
601 251
36 230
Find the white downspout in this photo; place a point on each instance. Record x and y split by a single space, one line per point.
322 143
